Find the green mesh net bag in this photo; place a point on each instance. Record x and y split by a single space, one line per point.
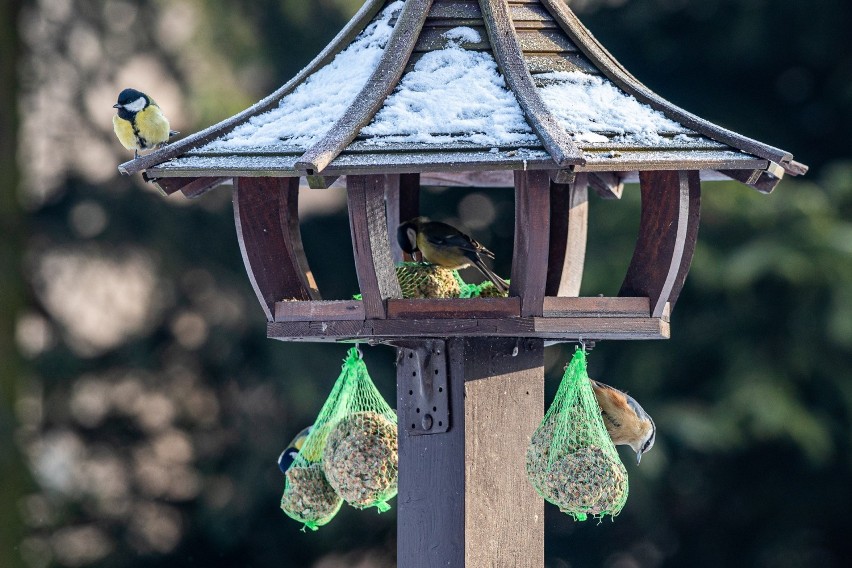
426 280
359 453
571 460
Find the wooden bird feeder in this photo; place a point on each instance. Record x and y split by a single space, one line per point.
482 93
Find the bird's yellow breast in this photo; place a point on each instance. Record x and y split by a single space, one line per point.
151 129
448 257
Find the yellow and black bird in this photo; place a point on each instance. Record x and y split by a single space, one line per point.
139 123
285 460
626 421
446 246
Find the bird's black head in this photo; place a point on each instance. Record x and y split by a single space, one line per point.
131 101
406 236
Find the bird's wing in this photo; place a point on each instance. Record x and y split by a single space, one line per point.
443 235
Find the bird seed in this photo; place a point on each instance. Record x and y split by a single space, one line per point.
308 497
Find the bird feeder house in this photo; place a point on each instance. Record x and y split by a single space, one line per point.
488 93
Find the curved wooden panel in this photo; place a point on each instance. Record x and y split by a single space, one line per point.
671 204
358 22
267 219
569 219
373 263
510 59
372 96
532 232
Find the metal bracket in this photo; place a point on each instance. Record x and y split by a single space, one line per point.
424 403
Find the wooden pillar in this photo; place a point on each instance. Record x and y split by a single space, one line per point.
464 499
671 203
402 199
569 219
532 232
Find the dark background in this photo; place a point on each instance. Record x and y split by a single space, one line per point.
143 408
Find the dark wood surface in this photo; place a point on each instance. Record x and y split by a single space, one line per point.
371 97
550 328
607 185
190 187
569 218
597 307
430 503
369 228
454 307
532 231
402 202
266 218
358 22
464 501
510 59
667 235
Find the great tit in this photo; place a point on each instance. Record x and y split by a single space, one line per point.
626 421
139 123
285 460
446 246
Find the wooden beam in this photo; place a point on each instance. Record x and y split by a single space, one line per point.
369 226
669 229
550 328
358 22
569 218
608 185
190 187
455 308
764 181
267 220
532 231
464 500
600 307
377 88
402 201
320 182
510 59
351 310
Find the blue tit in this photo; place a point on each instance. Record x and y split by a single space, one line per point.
285 460
444 245
139 123
626 421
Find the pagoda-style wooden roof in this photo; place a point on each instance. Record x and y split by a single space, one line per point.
461 85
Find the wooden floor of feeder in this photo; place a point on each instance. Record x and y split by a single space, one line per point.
563 319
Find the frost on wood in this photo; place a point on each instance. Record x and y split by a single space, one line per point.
452 95
306 114
596 111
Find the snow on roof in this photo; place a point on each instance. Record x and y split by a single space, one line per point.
306 114
594 109
452 95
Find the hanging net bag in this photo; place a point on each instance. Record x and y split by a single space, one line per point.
359 454
425 280
571 460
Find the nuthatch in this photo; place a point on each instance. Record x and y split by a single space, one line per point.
626 421
446 246
285 460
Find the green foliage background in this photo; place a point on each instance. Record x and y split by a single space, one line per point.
154 443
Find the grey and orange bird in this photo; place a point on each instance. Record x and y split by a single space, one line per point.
626 421
446 246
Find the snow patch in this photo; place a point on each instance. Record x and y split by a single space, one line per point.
589 106
309 112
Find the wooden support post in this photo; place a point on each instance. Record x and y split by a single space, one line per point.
569 219
402 199
464 499
369 226
266 213
671 204
532 231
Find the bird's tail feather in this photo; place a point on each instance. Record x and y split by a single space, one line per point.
498 282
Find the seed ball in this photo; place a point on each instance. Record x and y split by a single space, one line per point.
360 459
489 290
581 480
424 280
308 497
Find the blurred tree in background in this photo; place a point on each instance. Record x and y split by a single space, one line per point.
143 408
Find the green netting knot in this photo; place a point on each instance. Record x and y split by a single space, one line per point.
571 460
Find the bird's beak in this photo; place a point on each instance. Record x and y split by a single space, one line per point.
638 457
116 105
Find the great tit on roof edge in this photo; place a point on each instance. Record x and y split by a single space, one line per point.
626 421
139 123
446 246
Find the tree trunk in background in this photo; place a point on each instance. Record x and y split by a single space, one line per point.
12 290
